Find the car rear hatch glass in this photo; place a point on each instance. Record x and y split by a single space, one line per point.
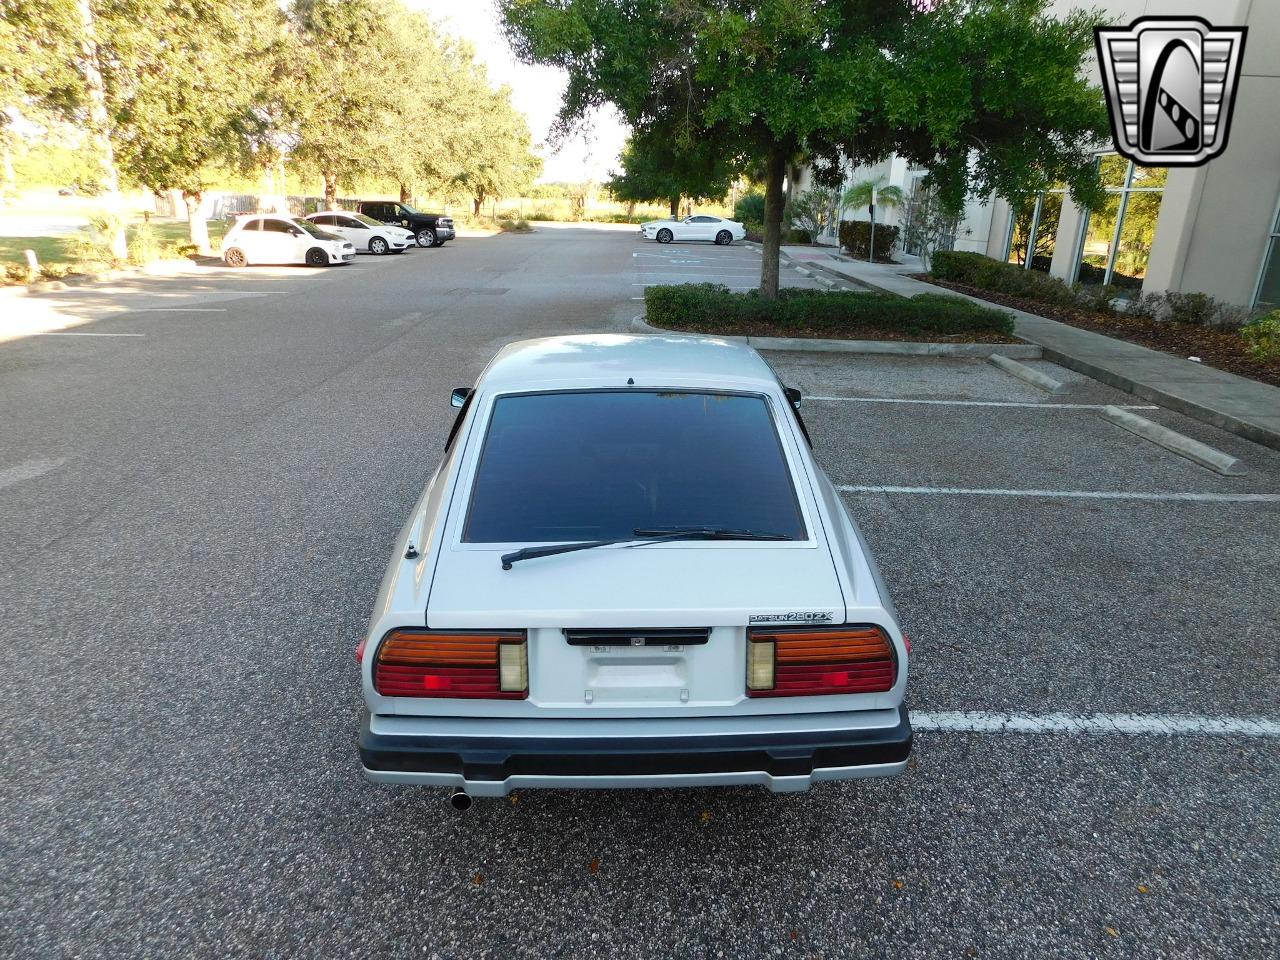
602 464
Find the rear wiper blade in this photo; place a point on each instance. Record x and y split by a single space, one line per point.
644 535
552 549
707 533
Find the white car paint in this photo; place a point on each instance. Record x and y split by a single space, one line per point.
364 233
698 227
438 580
273 238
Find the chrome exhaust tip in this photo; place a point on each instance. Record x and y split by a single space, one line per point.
460 800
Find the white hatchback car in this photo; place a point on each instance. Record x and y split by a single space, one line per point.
274 238
364 233
700 227
629 571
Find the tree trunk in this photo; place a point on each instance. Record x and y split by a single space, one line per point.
197 225
476 203
331 191
8 181
405 193
675 207
100 125
631 209
775 170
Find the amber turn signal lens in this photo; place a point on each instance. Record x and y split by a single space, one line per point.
809 662
431 663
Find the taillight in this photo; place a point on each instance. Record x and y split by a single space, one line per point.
449 663
806 662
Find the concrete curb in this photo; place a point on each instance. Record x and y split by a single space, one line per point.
1194 450
883 347
1022 372
1145 391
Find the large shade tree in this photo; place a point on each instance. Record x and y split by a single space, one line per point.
660 166
987 93
180 77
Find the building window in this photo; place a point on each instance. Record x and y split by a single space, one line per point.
1033 230
1118 238
1269 287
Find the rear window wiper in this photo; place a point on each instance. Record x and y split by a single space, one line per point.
641 536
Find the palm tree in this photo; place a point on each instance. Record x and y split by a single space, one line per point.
866 193
861 192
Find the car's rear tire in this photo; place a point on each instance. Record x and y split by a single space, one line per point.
724 238
665 236
426 237
378 246
234 257
317 258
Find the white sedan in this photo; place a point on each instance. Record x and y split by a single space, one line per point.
629 571
700 227
365 233
274 238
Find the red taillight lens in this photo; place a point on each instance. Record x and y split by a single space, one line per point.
360 649
437 663
805 662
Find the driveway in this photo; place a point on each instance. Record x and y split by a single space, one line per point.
197 505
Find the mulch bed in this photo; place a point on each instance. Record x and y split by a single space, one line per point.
1223 349
837 333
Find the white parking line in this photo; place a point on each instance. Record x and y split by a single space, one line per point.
1072 494
700 276
27 470
178 310
985 403
47 333
1097 724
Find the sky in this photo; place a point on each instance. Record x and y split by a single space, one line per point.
536 91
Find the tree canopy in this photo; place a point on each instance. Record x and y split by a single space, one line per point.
659 165
987 93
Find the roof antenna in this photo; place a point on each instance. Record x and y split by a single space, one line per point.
631 381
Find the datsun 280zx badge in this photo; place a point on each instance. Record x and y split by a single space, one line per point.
802 616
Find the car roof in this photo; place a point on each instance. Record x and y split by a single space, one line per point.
608 359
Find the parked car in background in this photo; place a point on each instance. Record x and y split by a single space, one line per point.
699 227
428 229
365 233
271 238
629 571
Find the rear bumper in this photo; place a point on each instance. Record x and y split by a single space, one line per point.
491 764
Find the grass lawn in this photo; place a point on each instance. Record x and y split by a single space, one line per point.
56 250
48 249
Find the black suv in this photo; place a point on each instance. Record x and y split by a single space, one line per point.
429 229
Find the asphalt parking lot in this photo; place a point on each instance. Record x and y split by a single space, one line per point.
196 508
736 266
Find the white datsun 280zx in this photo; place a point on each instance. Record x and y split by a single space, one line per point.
628 571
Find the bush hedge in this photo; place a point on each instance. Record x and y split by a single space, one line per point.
713 308
855 236
1192 309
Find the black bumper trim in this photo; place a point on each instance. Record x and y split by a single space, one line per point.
497 758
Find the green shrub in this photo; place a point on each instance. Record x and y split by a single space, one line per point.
53 271
1262 337
957 266
750 206
17 273
514 226
755 230
795 235
855 236
710 307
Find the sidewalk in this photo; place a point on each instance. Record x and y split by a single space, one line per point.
1244 407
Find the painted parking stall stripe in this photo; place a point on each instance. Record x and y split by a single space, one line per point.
27 470
982 403
1096 724
1070 494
